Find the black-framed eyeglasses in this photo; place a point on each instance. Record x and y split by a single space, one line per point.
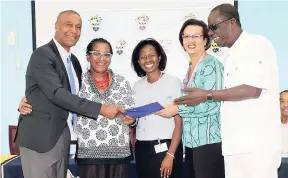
97 55
214 26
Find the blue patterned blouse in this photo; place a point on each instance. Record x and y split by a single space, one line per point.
201 123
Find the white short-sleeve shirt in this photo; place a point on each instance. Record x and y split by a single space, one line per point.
285 139
251 125
164 91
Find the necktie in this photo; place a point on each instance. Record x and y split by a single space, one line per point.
72 85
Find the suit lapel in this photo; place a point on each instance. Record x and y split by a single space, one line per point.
77 68
54 48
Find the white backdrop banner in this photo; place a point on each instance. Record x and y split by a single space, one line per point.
124 24
125 28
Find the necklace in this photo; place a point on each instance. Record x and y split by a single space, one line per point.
193 72
102 84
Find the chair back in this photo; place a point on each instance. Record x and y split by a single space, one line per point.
14 149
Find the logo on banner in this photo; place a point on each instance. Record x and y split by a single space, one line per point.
189 16
214 47
142 21
166 44
120 46
95 22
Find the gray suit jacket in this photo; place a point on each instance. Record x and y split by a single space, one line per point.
48 91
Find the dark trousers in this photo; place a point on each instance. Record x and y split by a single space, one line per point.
204 162
148 163
52 164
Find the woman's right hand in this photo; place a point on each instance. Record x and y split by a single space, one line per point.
166 166
24 107
127 120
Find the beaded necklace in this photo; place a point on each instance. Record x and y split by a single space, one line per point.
102 84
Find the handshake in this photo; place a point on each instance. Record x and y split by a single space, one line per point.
128 116
111 111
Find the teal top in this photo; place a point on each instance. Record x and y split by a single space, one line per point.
201 123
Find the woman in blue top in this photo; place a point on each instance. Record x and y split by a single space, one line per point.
201 123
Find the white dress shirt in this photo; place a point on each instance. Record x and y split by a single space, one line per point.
250 125
64 55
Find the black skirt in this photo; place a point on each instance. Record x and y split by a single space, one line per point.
103 171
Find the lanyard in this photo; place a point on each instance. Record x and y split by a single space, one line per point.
192 75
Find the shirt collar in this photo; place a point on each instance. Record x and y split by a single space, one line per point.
63 53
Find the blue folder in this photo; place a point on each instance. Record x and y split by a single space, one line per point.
143 110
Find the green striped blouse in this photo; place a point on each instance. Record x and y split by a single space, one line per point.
201 123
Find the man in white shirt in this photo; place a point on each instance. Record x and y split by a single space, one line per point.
284 120
251 140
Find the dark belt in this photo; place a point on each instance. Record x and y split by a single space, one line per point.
152 142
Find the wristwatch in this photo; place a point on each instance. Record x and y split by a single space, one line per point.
210 97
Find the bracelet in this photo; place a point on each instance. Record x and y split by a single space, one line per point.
170 154
133 124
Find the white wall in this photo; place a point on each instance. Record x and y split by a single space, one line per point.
15 17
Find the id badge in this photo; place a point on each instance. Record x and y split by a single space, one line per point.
160 147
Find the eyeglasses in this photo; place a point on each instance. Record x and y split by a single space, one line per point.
214 26
193 36
97 55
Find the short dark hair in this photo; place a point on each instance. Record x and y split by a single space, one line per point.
197 23
283 91
228 11
136 55
97 40
67 11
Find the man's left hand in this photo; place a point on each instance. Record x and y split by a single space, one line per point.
195 96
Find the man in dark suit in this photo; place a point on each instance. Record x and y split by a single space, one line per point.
53 77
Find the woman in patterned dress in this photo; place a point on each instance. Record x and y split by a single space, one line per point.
103 144
201 123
